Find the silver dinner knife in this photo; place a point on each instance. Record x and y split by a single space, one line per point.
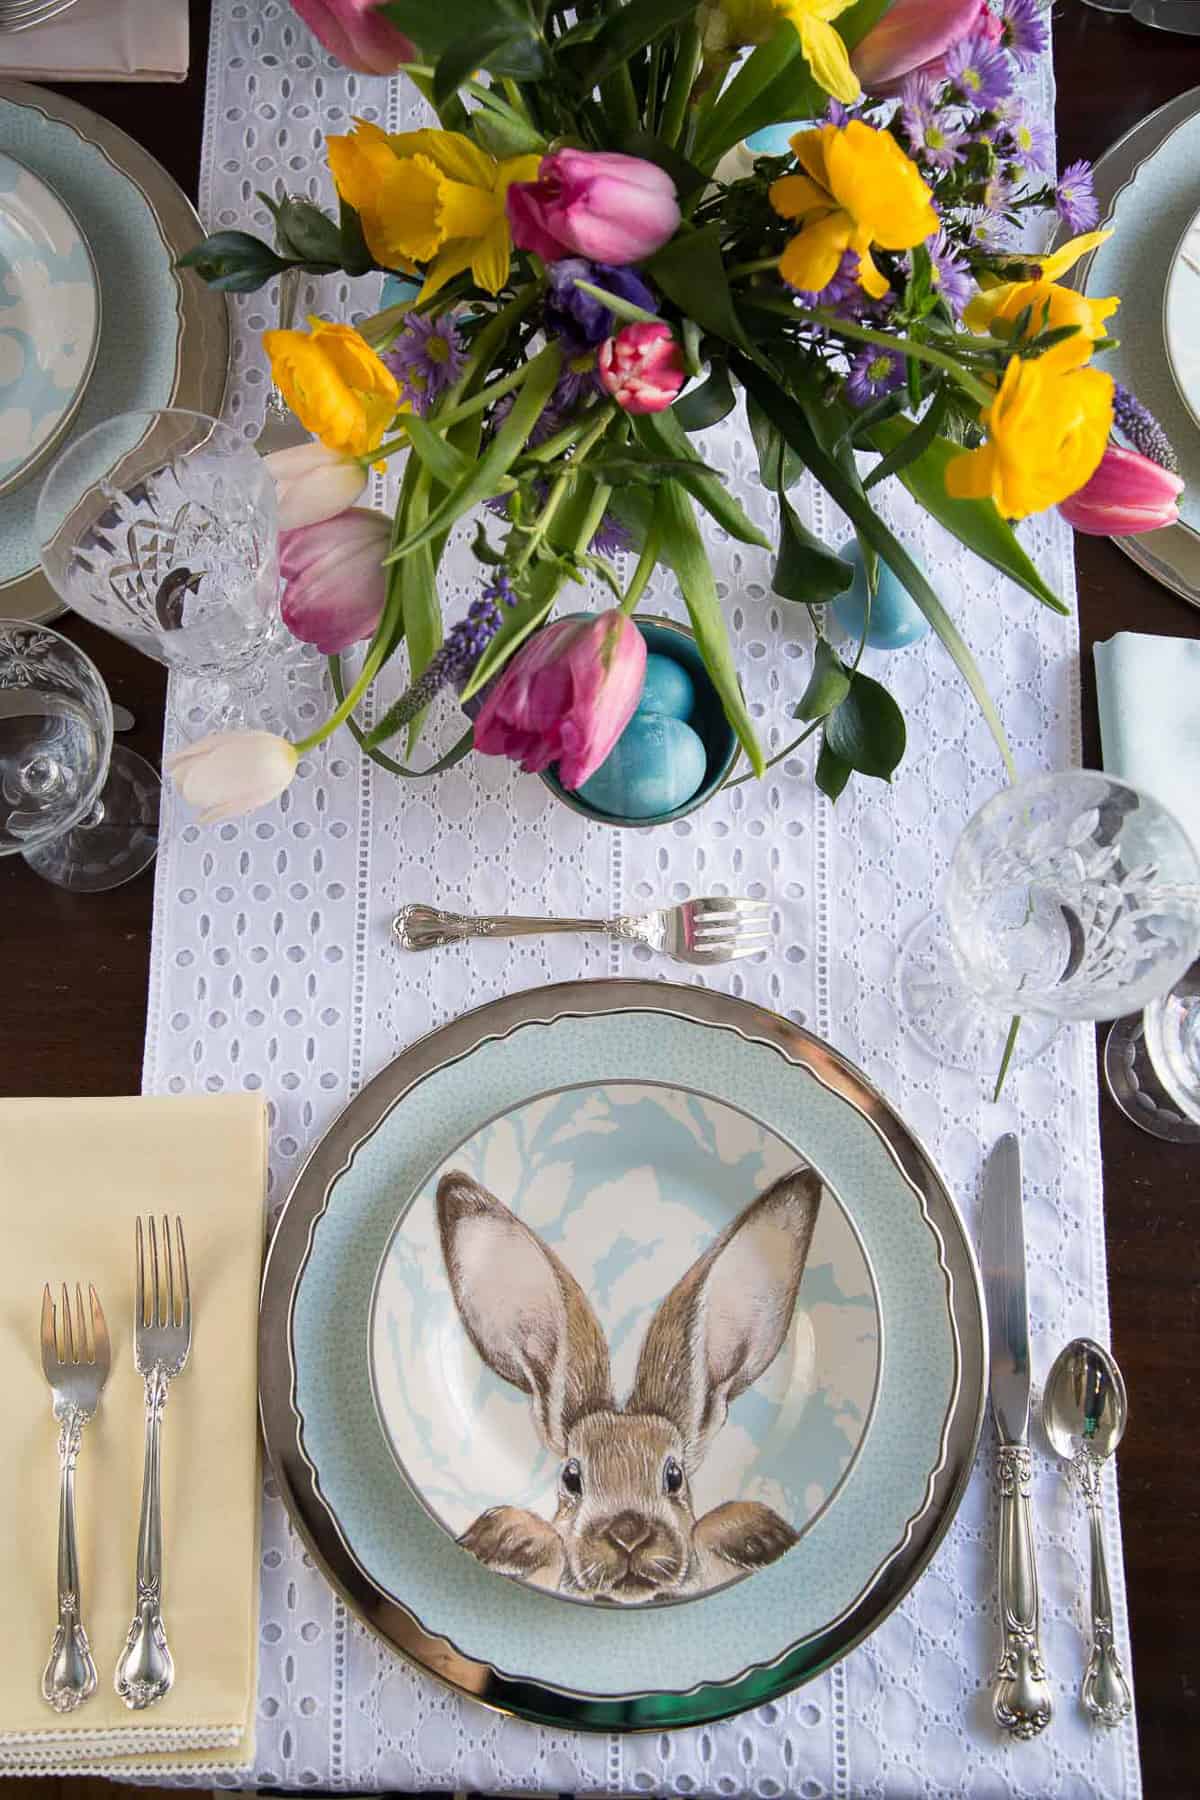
1020 1692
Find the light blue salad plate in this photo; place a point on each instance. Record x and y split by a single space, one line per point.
648 1295
49 320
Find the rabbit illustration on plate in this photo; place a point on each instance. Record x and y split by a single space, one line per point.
624 1529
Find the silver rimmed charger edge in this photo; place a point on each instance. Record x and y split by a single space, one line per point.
713 929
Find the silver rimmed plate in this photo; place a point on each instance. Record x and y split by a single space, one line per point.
1181 318
509 1643
1146 189
705 1343
164 336
49 320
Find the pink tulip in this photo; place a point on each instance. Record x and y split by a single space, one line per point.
334 580
642 367
1127 494
358 34
566 696
913 37
594 203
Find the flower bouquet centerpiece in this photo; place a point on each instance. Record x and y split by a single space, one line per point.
599 268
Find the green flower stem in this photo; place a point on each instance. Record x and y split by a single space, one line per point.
557 494
925 353
779 755
688 56
624 309
562 440
377 655
644 570
516 114
758 267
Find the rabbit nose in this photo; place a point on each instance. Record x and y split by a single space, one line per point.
628 1530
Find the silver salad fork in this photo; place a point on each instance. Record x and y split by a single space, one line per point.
716 929
281 429
162 1338
76 1365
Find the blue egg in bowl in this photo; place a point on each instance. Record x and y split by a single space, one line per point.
896 619
675 752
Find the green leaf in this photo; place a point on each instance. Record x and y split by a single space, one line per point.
437 25
806 569
684 549
827 687
482 479
509 48
709 403
867 730
663 433
778 465
621 36
356 257
233 262
690 270
910 447
503 134
832 772
687 177
975 523
760 69
792 421
303 232
854 24
444 462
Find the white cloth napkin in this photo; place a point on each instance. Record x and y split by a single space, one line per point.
1149 694
102 40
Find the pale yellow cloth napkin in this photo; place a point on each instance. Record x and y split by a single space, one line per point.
74 1175
102 40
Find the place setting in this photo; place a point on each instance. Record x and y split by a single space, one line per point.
630 917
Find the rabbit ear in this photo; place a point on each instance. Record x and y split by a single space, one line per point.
527 1317
724 1323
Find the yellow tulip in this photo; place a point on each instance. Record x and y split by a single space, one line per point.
725 25
430 197
335 384
858 189
1046 432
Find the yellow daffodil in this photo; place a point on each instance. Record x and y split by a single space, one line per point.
858 188
335 384
430 197
1046 432
1051 306
726 25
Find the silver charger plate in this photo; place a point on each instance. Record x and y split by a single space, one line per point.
519 1650
195 319
1172 555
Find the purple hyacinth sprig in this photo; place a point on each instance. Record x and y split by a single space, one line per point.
1139 425
451 666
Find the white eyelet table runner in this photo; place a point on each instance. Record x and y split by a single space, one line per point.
273 970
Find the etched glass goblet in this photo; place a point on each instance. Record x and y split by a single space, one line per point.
161 527
82 814
1070 896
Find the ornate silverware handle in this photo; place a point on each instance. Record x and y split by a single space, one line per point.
1020 1693
145 1670
429 928
70 1674
1105 1691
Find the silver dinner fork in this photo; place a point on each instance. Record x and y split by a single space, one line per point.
162 1338
716 929
281 429
76 1366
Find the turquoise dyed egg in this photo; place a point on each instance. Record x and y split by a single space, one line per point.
774 140
397 291
655 765
669 690
896 619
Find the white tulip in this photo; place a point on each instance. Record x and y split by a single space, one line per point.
232 772
313 483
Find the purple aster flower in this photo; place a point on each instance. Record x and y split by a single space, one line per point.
570 313
978 73
844 293
873 373
1023 31
1137 423
952 279
548 421
837 114
426 358
997 195
1075 198
1024 140
453 663
926 124
611 538
579 377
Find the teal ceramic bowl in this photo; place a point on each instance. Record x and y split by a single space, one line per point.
665 637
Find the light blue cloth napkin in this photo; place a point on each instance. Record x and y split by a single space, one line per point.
1149 692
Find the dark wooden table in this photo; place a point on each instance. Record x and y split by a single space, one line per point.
75 968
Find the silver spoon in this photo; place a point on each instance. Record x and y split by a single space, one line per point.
1084 1409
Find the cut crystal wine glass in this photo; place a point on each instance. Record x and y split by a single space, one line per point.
161 527
82 814
1070 896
